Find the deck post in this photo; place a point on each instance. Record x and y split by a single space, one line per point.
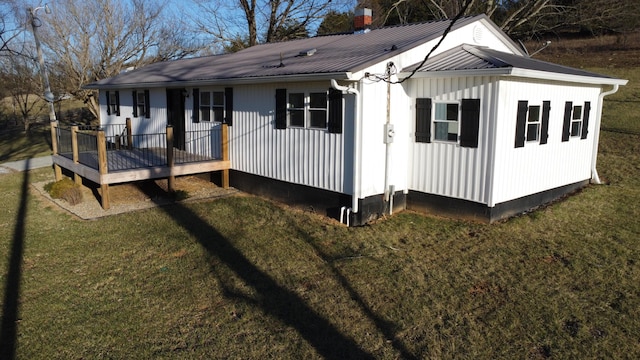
225 155
103 169
74 149
170 160
129 134
54 148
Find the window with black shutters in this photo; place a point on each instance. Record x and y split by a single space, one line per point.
532 123
576 120
312 110
141 105
113 103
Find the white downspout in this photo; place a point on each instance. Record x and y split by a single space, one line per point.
356 142
595 179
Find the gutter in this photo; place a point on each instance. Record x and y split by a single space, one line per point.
357 139
595 179
221 81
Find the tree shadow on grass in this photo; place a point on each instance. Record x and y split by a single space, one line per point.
384 326
8 331
275 300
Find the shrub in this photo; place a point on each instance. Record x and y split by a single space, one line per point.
66 190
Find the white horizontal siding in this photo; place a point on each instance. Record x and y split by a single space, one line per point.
534 167
444 168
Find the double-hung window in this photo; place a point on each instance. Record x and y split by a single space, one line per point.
113 103
141 105
453 122
576 120
313 110
211 106
307 110
445 121
533 123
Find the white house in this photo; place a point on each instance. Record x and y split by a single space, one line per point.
356 126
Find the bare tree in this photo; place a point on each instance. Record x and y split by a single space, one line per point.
89 40
21 80
249 22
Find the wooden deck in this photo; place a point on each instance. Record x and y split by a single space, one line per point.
105 166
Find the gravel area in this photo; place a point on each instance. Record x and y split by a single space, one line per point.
135 196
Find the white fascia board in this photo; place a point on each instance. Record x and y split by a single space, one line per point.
233 81
545 75
517 72
457 73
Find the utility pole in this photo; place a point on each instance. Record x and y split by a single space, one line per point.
35 24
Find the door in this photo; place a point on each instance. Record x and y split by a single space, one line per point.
175 116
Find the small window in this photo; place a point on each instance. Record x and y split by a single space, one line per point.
141 103
576 121
307 110
533 123
212 106
445 122
113 103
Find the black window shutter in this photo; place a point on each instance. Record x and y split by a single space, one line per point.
585 120
108 103
335 111
521 122
135 104
566 126
281 108
117 103
195 115
228 106
423 120
147 103
470 123
544 130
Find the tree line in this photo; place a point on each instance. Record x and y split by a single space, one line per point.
88 40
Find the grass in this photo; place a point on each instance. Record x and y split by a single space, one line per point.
241 277
245 278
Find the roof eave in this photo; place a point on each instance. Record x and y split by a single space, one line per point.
518 72
228 81
582 79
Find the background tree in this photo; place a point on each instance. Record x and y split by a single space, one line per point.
336 22
94 39
260 21
21 80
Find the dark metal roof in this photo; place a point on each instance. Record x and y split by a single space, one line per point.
469 57
334 54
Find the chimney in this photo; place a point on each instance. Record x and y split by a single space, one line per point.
362 20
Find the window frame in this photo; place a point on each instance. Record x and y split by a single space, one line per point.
141 103
576 109
113 102
212 108
307 110
537 124
434 121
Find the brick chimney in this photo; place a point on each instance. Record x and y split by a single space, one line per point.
362 20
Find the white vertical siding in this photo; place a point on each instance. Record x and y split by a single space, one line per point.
140 125
534 168
303 156
448 169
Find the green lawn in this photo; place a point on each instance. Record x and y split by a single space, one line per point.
244 278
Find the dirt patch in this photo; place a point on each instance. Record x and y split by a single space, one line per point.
137 196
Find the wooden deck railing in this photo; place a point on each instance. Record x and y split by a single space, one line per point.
109 150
